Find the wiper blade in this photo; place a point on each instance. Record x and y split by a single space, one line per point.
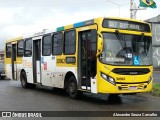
145 46
122 41
137 44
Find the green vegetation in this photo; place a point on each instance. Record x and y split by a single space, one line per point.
156 90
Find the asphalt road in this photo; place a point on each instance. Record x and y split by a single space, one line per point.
14 98
156 76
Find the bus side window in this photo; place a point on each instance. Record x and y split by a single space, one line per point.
20 48
57 41
70 42
46 45
8 50
28 48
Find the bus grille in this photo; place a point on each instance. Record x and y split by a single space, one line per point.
131 71
132 87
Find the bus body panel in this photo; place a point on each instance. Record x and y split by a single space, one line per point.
60 75
19 67
47 68
27 66
137 81
8 71
12 61
53 68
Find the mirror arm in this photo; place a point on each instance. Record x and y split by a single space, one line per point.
100 37
99 34
98 53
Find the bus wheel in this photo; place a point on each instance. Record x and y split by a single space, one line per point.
72 88
32 86
24 80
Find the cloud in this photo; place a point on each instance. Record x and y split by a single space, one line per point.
19 17
6 15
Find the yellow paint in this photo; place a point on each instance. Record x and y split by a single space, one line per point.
125 31
14 40
85 28
8 60
19 60
68 27
104 86
61 61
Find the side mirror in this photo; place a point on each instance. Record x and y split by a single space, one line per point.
100 44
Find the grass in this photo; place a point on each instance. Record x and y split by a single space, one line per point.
155 90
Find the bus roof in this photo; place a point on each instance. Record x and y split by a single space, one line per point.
14 39
75 25
128 19
92 21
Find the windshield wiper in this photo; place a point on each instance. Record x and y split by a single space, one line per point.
122 41
145 45
137 44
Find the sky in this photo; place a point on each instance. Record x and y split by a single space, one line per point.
20 17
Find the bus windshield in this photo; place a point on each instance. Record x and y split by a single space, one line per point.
126 49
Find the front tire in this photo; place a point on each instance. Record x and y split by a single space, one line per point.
2 77
24 80
32 86
72 88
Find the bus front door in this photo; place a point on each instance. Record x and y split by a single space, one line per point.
87 58
37 61
13 61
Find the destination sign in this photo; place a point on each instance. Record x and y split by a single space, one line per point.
126 25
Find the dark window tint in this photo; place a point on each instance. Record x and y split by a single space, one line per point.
57 44
46 46
28 48
20 49
70 42
8 50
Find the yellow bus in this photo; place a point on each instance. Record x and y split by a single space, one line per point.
101 55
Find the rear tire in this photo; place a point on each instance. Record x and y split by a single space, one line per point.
72 88
24 80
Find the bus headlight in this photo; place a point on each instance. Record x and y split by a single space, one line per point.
150 79
108 78
104 76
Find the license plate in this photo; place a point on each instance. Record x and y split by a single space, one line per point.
133 88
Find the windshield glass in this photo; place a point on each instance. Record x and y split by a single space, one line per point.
124 49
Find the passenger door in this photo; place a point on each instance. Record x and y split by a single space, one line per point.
13 61
8 60
37 60
87 57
